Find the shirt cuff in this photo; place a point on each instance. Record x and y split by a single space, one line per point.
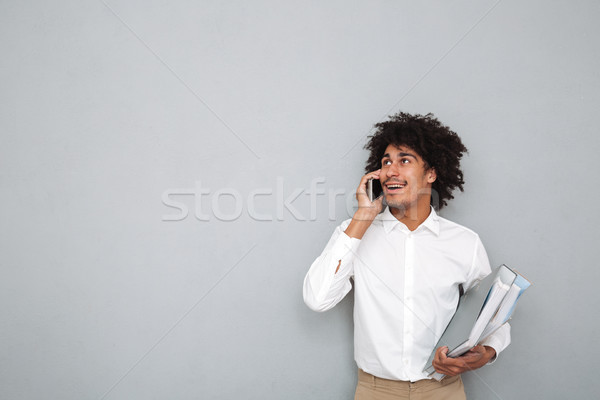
341 253
498 341
343 250
493 359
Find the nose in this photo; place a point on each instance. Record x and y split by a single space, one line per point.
392 170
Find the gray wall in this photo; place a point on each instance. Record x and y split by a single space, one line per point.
112 111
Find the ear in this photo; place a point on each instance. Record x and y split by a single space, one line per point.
431 175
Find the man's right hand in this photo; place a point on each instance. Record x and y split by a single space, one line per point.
367 209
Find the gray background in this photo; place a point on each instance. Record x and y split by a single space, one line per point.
107 107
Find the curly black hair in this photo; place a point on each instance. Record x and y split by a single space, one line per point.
438 146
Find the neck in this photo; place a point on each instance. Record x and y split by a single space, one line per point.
413 216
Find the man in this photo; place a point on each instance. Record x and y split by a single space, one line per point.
407 264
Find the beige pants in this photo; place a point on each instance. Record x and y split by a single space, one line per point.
373 388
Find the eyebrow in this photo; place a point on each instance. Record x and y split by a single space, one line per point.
401 154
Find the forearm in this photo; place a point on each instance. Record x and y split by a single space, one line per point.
361 221
328 279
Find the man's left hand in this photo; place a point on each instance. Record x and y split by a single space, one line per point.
475 358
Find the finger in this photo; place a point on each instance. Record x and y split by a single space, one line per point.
362 186
450 361
370 175
453 362
440 358
475 353
438 355
476 349
375 173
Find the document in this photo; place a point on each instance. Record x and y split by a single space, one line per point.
480 312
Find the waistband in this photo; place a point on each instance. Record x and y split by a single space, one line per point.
421 384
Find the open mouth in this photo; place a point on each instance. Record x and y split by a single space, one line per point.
394 187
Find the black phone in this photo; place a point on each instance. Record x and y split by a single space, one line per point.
374 189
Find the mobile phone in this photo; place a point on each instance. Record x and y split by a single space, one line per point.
373 189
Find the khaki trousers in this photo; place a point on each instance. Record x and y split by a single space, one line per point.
370 387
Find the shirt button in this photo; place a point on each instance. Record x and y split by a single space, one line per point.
405 362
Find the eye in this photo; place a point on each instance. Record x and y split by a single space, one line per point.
404 161
386 162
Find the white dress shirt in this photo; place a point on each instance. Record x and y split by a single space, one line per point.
406 289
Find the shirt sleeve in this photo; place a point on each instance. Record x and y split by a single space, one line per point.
480 265
498 340
323 286
480 268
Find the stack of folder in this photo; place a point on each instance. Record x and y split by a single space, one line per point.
480 312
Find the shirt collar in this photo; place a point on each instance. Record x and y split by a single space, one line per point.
390 222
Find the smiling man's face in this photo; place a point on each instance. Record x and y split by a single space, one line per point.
405 180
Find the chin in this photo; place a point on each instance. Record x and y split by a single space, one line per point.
394 204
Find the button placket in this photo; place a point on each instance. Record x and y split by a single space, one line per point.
408 294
